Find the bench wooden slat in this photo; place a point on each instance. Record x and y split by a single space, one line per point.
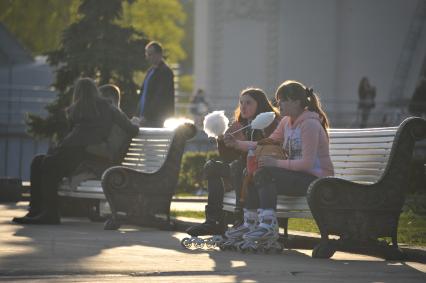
143 167
144 157
353 152
147 141
360 158
79 194
358 178
149 145
360 130
147 152
91 183
85 189
146 164
363 132
343 165
138 154
358 171
360 145
359 140
143 149
334 133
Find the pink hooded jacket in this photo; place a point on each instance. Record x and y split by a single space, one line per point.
305 142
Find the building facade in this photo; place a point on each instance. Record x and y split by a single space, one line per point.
24 88
328 45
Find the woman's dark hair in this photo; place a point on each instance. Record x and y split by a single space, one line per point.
263 104
309 100
85 99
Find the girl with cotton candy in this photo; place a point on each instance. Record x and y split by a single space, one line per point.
252 102
303 132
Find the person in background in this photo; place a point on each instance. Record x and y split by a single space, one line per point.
157 93
115 146
417 106
199 108
111 93
366 94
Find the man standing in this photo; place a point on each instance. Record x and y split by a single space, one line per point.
156 96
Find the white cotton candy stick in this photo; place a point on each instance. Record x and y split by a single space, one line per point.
215 123
263 120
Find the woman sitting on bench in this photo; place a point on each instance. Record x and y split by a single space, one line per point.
91 118
252 101
303 132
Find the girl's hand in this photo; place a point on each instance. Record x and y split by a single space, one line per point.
230 141
267 161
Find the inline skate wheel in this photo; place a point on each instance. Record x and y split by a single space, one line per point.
199 244
209 244
186 243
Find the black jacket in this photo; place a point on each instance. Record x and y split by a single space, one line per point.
160 98
96 130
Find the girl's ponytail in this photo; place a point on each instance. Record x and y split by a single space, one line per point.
314 104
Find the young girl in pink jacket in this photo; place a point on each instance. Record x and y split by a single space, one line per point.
304 137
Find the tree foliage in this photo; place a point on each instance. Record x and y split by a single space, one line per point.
95 46
38 23
160 20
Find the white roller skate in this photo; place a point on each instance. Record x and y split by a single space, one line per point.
233 236
265 237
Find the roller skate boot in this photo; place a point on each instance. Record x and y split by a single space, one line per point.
265 237
233 236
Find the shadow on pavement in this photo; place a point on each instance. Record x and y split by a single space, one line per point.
82 247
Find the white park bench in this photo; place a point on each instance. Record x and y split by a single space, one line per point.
147 154
364 162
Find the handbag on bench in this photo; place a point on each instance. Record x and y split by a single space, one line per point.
273 150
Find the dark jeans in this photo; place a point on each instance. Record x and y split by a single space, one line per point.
272 181
47 172
215 172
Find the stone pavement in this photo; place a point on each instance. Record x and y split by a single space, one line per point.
81 251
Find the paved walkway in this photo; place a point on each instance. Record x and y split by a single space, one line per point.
81 251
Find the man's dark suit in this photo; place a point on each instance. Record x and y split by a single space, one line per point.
160 99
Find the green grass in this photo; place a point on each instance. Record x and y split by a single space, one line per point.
184 195
411 229
188 213
302 224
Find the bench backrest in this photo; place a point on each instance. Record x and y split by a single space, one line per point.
360 155
149 149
